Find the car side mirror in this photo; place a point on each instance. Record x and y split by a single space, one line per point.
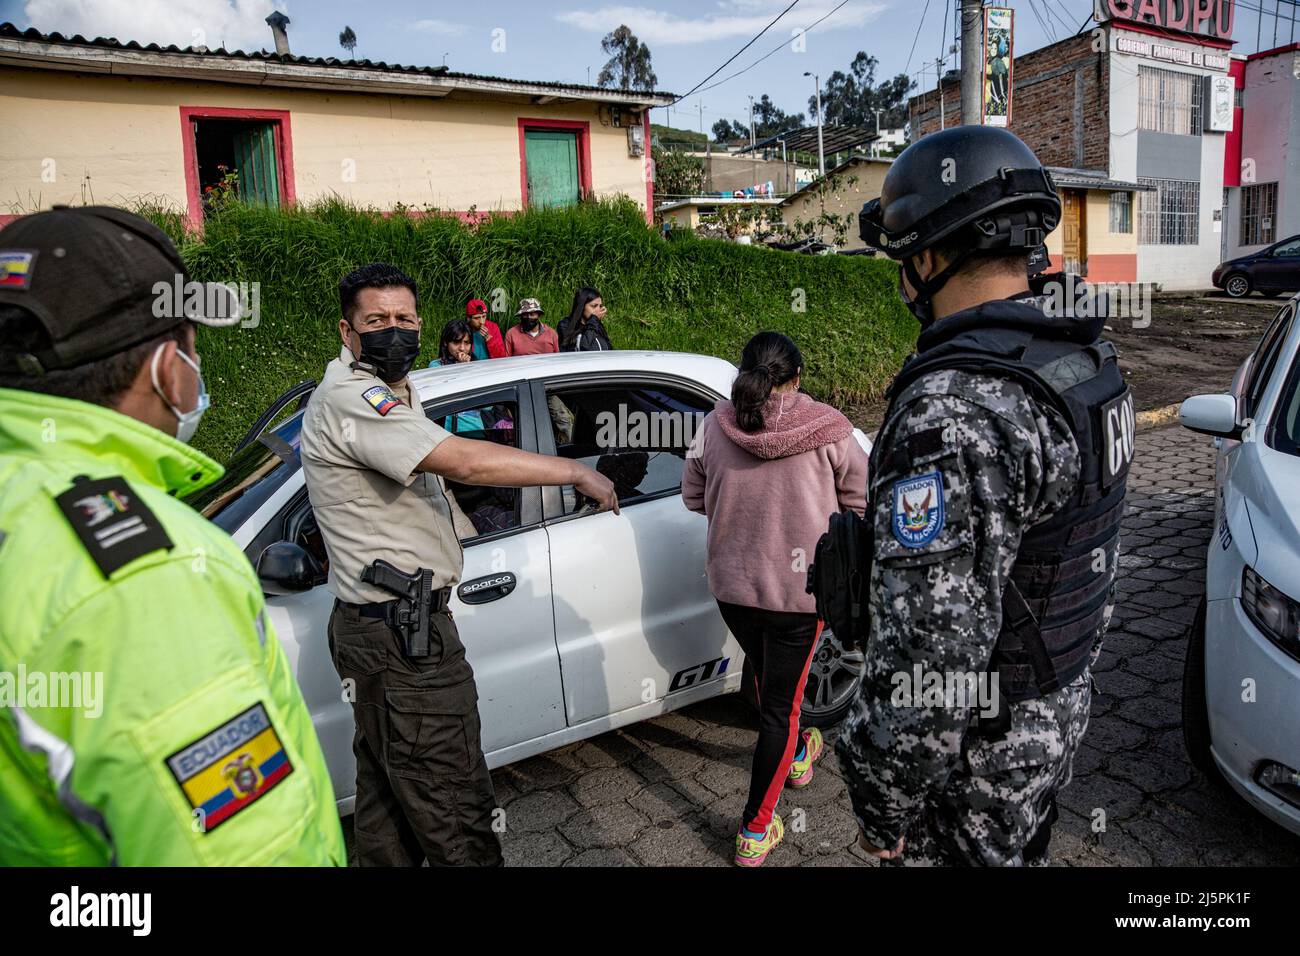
288 568
1210 415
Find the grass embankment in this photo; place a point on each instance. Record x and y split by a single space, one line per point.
684 294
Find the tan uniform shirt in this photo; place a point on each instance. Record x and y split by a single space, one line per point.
361 441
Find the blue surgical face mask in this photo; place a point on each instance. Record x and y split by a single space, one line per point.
187 422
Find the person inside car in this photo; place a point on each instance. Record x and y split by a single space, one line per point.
768 469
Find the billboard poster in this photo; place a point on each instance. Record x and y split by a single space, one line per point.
996 99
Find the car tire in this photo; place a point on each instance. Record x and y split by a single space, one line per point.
1237 285
834 677
1196 717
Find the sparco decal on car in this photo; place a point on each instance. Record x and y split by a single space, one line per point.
700 672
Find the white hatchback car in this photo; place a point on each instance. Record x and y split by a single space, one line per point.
575 622
1241 682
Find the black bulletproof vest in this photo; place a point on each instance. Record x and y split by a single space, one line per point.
1055 601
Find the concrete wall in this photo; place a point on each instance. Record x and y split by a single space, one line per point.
1112 257
847 201
1271 143
1136 154
70 137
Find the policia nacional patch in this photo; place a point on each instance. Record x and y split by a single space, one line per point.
114 525
230 767
918 509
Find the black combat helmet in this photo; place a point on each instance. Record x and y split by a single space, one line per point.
979 186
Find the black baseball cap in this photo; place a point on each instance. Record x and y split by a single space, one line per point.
91 276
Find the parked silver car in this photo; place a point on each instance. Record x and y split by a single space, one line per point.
1241 682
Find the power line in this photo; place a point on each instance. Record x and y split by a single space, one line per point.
780 46
738 52
924 11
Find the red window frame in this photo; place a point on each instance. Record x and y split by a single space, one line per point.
283 153
581 127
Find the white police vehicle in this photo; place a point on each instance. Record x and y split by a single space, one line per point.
575 623
1241 681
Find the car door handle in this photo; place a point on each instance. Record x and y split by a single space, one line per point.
491 588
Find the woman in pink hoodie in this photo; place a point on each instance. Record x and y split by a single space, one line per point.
768 469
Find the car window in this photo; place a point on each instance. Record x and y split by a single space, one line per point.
478 509
253 474
1291 248
634 434
1265 357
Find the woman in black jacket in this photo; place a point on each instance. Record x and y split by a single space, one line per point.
583 330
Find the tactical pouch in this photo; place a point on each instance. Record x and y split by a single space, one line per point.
838 577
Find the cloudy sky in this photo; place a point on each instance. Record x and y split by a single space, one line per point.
561 40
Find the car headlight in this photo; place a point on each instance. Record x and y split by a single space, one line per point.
1272 612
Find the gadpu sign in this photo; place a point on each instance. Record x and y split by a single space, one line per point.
1211 18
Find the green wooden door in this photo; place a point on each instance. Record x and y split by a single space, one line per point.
259 183
551 157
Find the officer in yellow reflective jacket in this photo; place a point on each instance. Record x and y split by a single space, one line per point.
147 712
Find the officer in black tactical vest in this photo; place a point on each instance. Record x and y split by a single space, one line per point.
996 491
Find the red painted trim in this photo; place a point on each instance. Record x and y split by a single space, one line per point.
6 218
1166 34
1274 52
1104 266
283 153
647 163
581 127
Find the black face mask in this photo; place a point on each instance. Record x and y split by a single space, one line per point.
392 351
529 323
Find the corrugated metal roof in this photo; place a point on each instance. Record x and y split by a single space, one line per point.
1092 179
11 31
834 139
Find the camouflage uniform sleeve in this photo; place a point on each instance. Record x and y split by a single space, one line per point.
957 485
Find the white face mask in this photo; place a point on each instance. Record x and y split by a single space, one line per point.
187 422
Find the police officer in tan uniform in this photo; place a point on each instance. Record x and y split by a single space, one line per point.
372 461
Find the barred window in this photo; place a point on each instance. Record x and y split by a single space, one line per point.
1258 214
1121 212
1169 215
1169 101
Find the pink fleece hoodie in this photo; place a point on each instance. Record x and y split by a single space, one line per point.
769 496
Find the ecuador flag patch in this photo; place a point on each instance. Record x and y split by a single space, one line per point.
230 767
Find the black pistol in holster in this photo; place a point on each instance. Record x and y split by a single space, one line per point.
411 614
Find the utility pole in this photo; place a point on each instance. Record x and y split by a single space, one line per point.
972 63
875 147
938 73
751 122
821 151
700 104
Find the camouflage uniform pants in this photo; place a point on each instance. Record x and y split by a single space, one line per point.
423 788
1002 795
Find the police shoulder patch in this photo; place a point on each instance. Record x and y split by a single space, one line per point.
917 516
381 398
230 767
111 520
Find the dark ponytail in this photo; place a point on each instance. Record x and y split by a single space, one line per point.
770 359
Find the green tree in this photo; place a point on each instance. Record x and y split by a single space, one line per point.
851 99
676 175
348 39
629 62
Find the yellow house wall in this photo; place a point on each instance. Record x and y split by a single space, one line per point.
847 201
73 137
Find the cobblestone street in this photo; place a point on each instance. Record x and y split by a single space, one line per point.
670 791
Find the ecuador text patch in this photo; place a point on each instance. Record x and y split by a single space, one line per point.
381 398
918 509
228 768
